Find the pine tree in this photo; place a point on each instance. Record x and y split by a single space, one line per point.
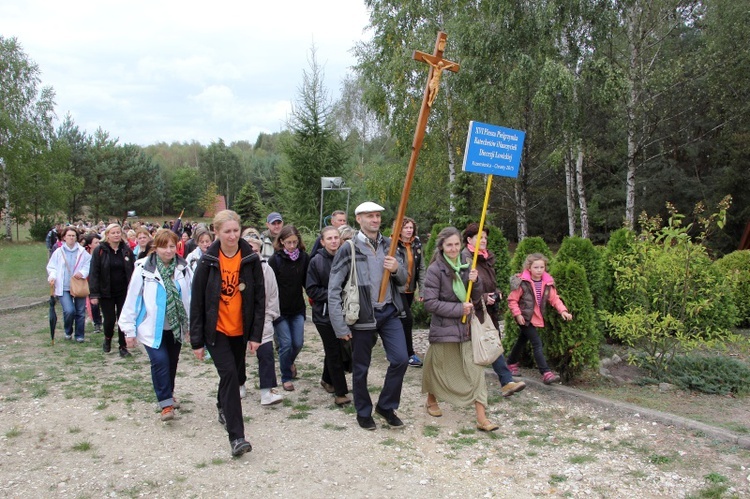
314 149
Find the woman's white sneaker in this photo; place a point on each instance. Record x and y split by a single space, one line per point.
269 396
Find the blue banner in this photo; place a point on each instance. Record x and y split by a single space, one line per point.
493 150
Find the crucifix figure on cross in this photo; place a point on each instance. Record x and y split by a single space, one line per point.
437 66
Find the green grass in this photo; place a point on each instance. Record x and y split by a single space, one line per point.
22 273
714 477
82 446
582 459
431 431
660 459
12 433
713 491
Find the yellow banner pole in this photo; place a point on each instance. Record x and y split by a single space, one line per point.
479 238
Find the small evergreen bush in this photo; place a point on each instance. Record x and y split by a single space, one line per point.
714 375
39 228
578 249
526 247
498 245
571 346
619 243
429 247
736 268
420 315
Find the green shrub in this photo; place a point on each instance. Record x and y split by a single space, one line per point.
736 269
420 315
526 247
571 346
620 242
429 247
498 245
674 300
39 228
714 375
578 249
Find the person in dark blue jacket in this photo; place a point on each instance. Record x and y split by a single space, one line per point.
333 379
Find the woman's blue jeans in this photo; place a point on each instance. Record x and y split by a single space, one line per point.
74 309
290 335
164 367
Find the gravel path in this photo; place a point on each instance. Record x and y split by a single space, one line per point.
75 444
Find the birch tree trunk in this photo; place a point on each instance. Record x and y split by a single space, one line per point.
570 191
630 109
521 195
451 158
7 220
582 204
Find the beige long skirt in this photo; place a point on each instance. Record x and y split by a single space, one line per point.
449 373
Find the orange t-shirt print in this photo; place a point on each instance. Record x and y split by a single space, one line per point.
230 305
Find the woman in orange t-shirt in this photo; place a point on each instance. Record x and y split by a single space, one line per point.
226 316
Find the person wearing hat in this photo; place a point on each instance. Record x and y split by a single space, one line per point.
375 317
274 223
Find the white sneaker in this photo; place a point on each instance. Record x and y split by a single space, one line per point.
269 396
243 391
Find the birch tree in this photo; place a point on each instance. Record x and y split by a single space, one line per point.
26 114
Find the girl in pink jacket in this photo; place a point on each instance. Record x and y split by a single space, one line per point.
529 293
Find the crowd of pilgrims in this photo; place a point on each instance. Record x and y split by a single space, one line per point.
229 293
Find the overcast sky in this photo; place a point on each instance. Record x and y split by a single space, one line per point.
183 70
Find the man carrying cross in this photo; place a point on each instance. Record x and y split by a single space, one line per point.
376 317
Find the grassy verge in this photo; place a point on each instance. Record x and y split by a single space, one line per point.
23 277
724 411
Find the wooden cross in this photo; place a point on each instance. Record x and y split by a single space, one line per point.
437 66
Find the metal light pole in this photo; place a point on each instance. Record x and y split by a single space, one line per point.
332 184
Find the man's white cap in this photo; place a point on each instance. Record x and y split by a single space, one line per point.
367 207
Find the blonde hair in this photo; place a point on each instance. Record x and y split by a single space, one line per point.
109 228
346 232
223 217
533 258
250 233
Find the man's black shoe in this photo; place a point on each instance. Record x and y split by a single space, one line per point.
389 416
366 422
222 420
124 353
240 446
107 345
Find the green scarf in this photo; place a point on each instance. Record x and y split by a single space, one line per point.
458 283
176 315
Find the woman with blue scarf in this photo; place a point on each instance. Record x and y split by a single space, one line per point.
156 313
450 373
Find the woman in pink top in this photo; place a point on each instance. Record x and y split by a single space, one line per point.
529 293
